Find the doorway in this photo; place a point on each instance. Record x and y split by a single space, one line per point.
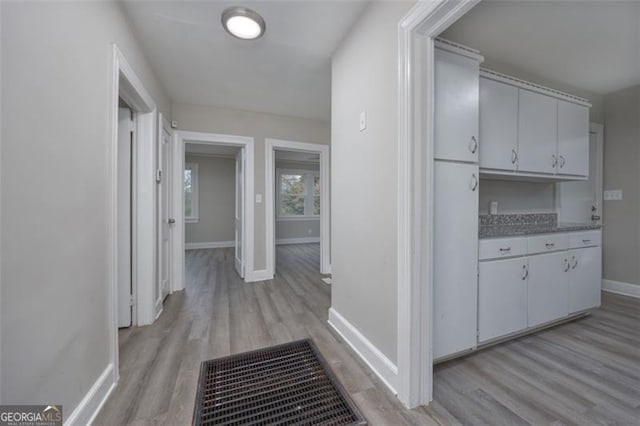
226 162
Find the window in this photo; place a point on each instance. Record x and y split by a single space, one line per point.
298 194
191 192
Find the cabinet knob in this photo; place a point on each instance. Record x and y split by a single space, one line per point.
575 262
525 272
514 156
567 265
474 182
473 145
554 161
562 161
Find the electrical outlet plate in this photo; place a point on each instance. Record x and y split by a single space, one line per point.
613 195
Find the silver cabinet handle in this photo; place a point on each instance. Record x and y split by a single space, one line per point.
575 262
514 156
562 161
549 245
595 217
473 145
586 241
474 182
567 266
554 161
507 249
525 272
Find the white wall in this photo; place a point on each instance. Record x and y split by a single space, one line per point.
216 200
621 232
296 229
364 176
56 79
259 126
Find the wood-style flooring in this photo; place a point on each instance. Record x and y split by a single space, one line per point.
584 372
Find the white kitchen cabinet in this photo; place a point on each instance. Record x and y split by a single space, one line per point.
455 257
502 297
585 278
537 132
456 113
573 139
498 125
548 287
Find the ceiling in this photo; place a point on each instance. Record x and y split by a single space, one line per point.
287 71
593 45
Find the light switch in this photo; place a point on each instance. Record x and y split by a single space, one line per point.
363 120
613 195
258 198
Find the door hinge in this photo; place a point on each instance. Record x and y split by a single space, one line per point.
131 300
132 126
158 176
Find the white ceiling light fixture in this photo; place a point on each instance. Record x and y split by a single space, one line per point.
243 23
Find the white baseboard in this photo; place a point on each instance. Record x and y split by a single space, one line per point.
619 287
86 412
259 275
211 245
305 240
386 370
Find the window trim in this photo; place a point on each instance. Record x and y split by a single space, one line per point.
309 175
195 214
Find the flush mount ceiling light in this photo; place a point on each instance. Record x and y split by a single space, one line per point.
243 23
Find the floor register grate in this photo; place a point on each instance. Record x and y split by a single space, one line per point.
288 384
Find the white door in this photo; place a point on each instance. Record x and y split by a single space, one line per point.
239 214
548 287
455 257
498 125
164 203
456 112
124 216
502 297
573 139
537 132
580 201
585 278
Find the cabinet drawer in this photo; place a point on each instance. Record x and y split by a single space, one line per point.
502 247
585 239
547 243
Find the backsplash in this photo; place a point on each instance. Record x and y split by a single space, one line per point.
548 219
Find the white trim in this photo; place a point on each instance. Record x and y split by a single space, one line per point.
87 410
619 287
209 245
247 143
416 33
133 92
261 275
269 166
386 370
304 240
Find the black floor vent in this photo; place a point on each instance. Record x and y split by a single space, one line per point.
288 384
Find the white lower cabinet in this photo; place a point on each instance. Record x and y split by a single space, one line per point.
455 257
502 298
585 278
548 287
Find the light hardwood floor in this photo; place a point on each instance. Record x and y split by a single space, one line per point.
584 372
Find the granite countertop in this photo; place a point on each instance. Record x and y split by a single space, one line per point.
496 226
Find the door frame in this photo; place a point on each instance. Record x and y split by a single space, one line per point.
181 137
271 145
416 33
163 125
127 85
598 130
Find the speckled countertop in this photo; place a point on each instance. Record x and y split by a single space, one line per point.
508 225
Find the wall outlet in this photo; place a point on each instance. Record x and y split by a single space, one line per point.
493 207
258 198
613 195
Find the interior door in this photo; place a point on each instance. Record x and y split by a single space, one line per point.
123 219
164 201
239 214
581 201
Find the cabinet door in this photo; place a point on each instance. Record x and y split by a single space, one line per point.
502 298
537 132
548 287
455 257
573 139
456 107
498 125
585 279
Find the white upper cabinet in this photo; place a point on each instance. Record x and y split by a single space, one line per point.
498 125
573 139
456 116
537 132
